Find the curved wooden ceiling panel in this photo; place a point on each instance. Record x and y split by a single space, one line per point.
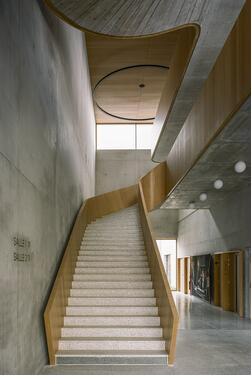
119 94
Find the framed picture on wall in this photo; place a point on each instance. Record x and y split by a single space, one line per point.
200 278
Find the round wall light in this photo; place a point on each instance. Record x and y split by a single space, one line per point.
218 184
240 166
203 197
191 205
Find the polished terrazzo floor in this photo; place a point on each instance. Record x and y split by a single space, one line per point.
210 342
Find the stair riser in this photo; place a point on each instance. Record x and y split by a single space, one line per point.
112 293
112 284
112 253
113 247
112 277
111 345
111 258
103 264
108 301
108 270
111 310
112 332
99 359
111 321
115 243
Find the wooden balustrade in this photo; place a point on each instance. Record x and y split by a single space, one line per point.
152 191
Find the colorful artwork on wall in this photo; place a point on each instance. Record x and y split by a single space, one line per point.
200 277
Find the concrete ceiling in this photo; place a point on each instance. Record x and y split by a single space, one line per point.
231 145
143 17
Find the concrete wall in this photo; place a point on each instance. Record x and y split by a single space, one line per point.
225 226
164 223
47 161
116 169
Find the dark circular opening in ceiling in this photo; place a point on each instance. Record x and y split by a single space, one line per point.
133 76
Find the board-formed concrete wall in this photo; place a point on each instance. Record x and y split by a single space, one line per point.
116 169
47 162
225 226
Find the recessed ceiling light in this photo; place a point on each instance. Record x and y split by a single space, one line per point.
218 184
240 166
191 205
203 197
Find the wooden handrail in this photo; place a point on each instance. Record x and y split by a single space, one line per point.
153 195
93 208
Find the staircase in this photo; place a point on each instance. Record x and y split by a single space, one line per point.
112 317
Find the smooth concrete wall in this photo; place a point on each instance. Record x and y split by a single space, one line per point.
225 226
47 162
116 169
164 223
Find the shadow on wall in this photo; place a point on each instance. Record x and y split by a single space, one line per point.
223 227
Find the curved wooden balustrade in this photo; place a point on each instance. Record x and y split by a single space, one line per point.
152 191
149 193
93 208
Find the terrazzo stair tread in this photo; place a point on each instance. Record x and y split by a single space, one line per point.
109 239
117 270
92 231
123 220
109 331
112 358
97 321
112 292
111 277
111 301
112 352
113 238
112 252
111 343
112 247
107 243
113 264
115 226
114 258
111 310
112 284
111 242
112 233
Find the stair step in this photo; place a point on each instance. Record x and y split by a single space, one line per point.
104 264
112 284
111 310
108 270
111 331
112 247
99 343
111 277
112 252
113 234
112 357
97 231
112 292
111 301
112 258
97 321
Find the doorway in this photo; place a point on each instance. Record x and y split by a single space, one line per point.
168 253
